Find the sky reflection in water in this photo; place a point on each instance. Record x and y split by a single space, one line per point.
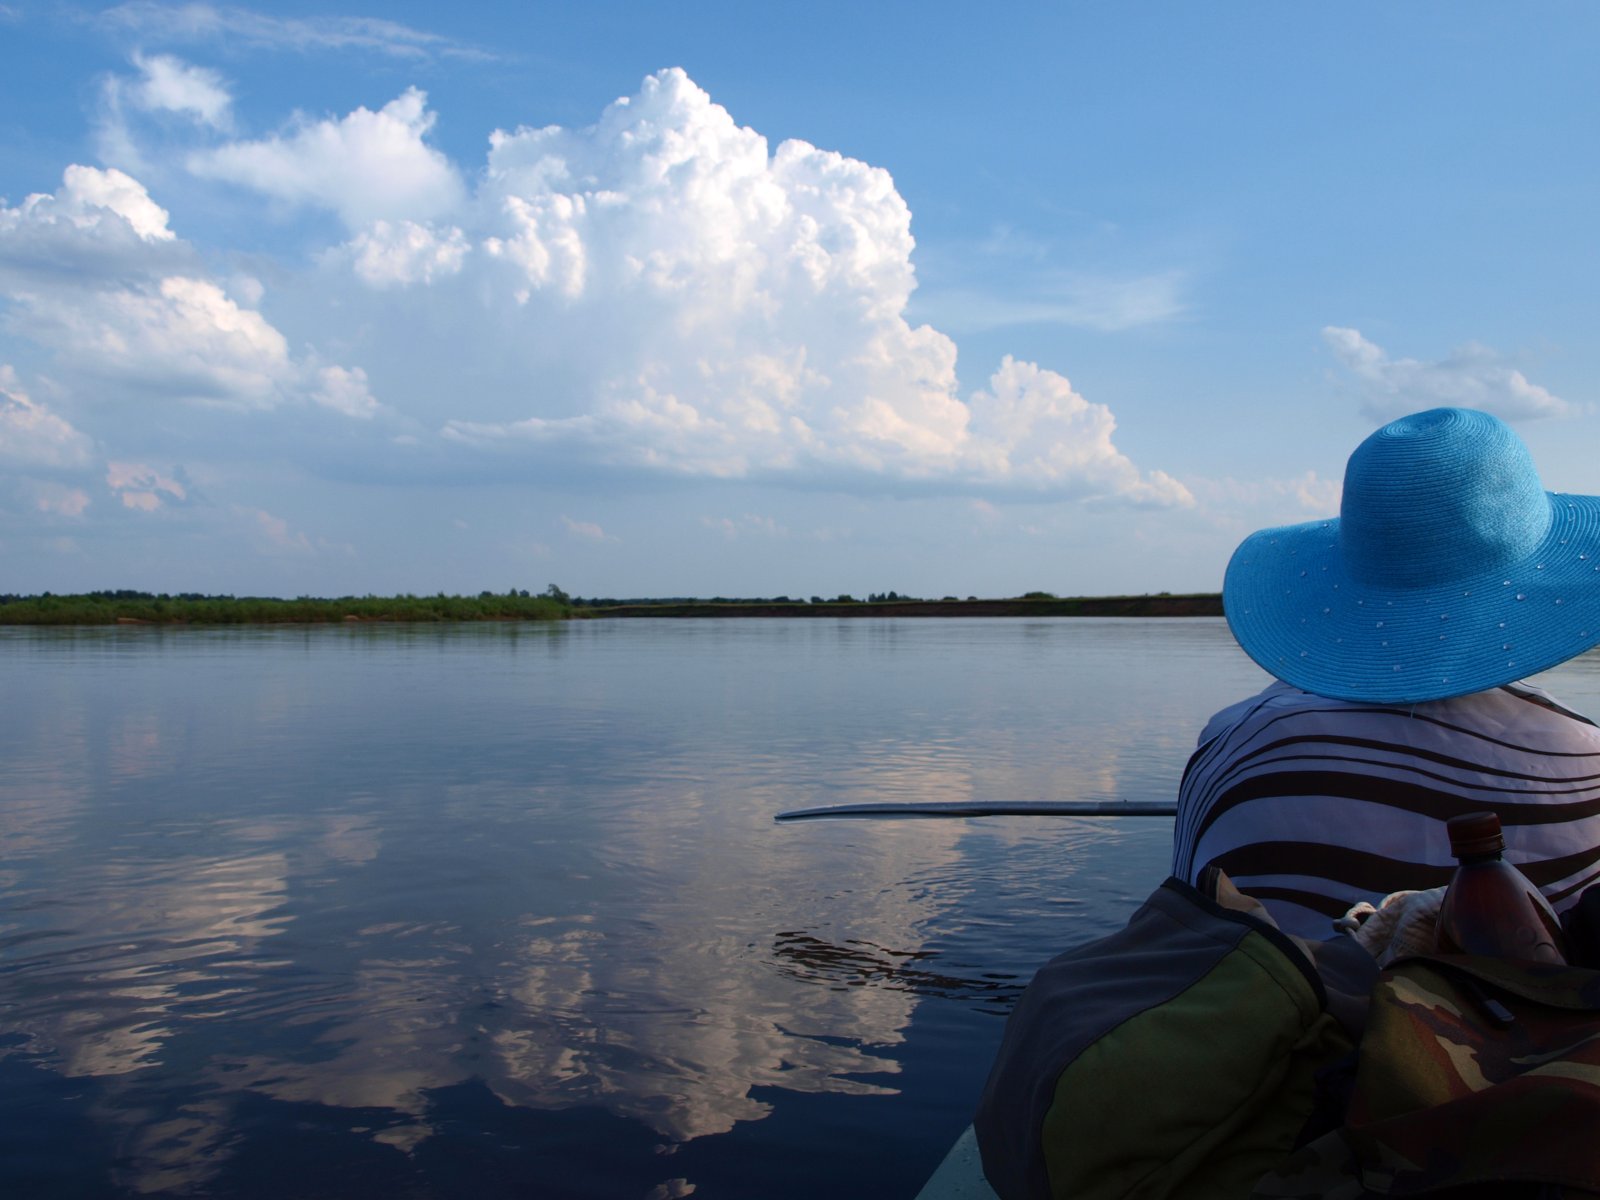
382 911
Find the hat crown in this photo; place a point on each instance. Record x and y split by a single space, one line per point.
1437 496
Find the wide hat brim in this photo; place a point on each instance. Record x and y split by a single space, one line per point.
1294 608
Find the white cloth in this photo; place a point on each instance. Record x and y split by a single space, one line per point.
1401 924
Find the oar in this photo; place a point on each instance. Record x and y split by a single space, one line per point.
982 808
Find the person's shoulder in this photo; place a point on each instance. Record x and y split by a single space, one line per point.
1492 708
1276 696
1528 693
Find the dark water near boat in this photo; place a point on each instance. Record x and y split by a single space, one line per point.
500 911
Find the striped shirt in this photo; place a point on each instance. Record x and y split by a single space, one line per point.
1311 804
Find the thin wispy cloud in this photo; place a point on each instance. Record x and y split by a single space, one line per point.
1294 499
1232 507
747 525
274 531
1011 277
58 499
1107 305
135 111
209 23
587 531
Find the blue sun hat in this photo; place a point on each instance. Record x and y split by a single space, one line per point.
1448 570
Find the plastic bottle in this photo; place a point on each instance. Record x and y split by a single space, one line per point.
1490 907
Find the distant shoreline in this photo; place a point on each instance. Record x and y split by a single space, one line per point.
1196 605
103 608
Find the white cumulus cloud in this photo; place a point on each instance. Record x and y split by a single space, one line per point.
1033 427
661 291
177 337
98 225
402 252
95 274
169 84
667 292
1473 377
88 193
345 391
368 166
33 436
143 487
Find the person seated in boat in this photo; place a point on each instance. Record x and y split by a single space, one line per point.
1397 633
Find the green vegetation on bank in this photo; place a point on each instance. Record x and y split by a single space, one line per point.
189 608
1033 604
553 604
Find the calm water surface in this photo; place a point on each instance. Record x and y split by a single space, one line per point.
502 910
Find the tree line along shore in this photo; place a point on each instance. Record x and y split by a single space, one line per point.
127 607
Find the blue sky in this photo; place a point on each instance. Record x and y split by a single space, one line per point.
755 299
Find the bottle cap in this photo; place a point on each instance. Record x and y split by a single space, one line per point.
1472 834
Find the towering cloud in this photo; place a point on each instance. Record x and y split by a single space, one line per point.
664 291
659 292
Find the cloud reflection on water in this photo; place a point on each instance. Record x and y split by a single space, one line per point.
674 1016
545 867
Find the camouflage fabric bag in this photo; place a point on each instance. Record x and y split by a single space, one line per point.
1476 1077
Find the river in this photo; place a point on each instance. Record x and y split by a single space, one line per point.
502 910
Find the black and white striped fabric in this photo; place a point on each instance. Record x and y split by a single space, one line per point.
1311 805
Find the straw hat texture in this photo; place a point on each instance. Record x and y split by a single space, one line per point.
1448 570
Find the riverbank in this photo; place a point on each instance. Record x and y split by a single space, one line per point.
141 608
1195 605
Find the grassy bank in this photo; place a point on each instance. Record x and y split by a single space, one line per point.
1037 605
145 608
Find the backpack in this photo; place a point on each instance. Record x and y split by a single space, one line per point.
1477 1077
1176 1058
1200 1052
